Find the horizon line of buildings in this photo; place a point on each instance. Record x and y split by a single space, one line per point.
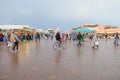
99 28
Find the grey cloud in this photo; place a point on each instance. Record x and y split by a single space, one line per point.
64 13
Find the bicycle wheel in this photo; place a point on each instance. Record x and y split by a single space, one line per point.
64 45
55 45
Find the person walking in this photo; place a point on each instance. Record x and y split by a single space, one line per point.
79 37
116 38
38 36
15 41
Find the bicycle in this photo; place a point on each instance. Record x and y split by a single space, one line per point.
58 45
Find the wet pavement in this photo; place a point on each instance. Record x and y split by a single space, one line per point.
39 61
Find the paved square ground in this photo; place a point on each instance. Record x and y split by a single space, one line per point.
39 61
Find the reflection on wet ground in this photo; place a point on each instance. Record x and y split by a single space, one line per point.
39 61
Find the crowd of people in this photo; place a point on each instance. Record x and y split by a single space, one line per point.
80 37
14 38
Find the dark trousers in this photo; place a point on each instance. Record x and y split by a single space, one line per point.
79 43
15 45
116 41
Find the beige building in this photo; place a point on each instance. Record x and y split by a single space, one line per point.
102 28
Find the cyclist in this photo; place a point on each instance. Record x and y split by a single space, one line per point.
58 37
59 44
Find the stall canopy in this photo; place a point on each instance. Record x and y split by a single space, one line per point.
13 26
39 30
84 30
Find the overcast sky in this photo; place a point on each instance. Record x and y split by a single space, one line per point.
66 14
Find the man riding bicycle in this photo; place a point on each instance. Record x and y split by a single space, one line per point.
58 37
59 44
